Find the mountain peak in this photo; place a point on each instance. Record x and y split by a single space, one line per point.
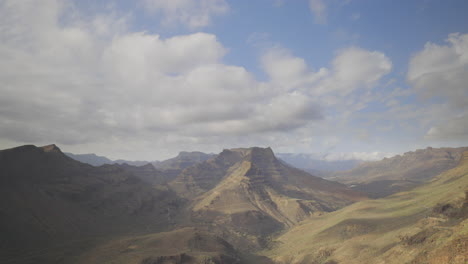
51 148
253 151
262 151
261 155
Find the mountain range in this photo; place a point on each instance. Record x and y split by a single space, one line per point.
242 205
428 224
401 172
316 165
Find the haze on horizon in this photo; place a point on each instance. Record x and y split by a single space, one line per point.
150 78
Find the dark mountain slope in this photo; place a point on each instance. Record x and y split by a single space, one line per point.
48 199
91 159
96 160
174 166
147 173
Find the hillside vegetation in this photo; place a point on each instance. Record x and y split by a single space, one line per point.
426 225
401 172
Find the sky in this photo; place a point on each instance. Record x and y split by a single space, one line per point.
145 79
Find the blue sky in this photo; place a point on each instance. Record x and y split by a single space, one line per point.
145 79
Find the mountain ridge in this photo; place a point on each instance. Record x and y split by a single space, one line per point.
428 224
250 191
48 198
401 172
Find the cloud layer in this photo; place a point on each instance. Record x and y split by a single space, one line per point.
440 72
93 81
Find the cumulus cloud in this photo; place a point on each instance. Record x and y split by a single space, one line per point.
71 83
93 82
456 128
353 68
287 70
441 72
192 13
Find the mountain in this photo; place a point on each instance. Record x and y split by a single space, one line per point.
184 245
50 201
399 173
251 192
243 205
183 160
148 173
426 225
173 166
312 164
91 159
96 160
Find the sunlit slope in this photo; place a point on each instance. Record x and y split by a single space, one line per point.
426 225
247 194
259 195
400 173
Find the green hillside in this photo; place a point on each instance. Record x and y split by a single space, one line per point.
426 225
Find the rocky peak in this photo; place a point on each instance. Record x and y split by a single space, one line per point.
51 148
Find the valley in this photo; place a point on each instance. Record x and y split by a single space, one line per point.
242 205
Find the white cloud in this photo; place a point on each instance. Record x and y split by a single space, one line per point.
288 71
191 13
441 72
72 84
456 128
92 82
319 9
355 68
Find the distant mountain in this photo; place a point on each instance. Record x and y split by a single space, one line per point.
96 160
147 173
132 162
91 159
253 193
426 225
173 166
320 167
183 160
48 200
401 172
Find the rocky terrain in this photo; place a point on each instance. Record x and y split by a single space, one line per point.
242 205
401 172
